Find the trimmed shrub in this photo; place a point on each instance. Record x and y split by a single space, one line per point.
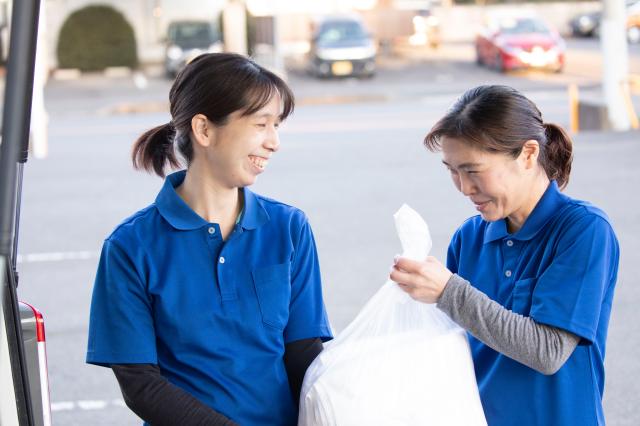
96 37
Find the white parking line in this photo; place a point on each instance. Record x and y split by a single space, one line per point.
92 405
86 405
63 406
57 256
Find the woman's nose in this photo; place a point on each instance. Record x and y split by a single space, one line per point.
466 186
272 142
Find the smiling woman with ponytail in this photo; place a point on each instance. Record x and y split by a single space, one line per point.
531 277
207 304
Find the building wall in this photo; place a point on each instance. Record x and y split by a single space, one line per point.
149 18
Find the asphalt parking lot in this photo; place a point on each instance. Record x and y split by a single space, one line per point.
351 155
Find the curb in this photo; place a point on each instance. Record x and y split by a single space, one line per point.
66 74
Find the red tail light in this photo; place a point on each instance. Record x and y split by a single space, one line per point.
40 337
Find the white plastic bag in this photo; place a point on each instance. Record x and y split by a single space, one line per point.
400 362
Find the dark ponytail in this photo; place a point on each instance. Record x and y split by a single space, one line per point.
216 85
557 154
154 149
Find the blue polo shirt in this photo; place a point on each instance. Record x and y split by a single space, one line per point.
214 315
559 269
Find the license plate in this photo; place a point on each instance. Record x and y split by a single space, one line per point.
539 61
538 57
342 68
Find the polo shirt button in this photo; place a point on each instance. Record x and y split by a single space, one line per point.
212 230
509 243
507 272
221 259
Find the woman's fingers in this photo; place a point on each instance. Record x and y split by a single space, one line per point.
415 285
423 280
402 277
409 272
409 265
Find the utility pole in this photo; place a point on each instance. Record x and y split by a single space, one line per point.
615 58
234 18
278 60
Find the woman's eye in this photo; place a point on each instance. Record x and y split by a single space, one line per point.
261 124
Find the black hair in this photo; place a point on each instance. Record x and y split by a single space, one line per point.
500 119
216 85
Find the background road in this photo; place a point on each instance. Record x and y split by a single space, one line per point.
350 156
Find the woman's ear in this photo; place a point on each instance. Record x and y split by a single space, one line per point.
529 154
201 130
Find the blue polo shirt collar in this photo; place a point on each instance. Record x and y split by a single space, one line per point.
179 215
551 201
254 214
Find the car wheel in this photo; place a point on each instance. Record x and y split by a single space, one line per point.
633 35
478 58
596 31
499 63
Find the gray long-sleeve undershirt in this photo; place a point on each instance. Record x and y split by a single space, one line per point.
541 347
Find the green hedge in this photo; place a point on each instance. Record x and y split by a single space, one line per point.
96 37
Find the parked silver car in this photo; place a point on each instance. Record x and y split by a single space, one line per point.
342 46
187 39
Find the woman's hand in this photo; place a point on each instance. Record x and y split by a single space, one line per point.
423 280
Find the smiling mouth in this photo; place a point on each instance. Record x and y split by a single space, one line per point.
480 204
259 162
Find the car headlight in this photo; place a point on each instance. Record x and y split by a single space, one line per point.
174 52
585 21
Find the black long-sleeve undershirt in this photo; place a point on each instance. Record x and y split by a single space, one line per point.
160 403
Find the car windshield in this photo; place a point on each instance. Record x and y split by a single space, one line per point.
190 32
523 26
338 31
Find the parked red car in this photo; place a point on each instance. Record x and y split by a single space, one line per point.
523 42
